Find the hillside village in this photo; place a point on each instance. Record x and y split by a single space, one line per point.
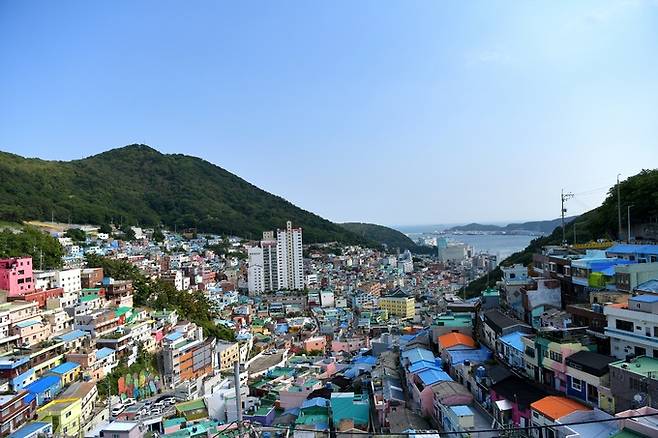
313 340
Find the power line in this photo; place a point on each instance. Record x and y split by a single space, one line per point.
510 430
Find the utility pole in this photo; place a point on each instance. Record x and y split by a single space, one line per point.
564 197
109 400
628 214
238 396
574 232
619 206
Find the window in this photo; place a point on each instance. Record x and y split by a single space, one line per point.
640 351
557 357
638 385
626 326
576 384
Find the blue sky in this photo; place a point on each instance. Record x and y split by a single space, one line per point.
407 112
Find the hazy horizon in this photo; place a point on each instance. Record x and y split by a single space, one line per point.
393 113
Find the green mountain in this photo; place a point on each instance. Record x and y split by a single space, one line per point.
640 191
544 227
381 234
139 185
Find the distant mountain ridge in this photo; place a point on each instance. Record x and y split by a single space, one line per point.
544 227
381 234
139 185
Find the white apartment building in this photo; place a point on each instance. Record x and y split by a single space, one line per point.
278 263
256 271
290 261
633 329
67 279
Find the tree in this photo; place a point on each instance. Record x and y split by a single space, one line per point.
44 249
105 228
76 234
128 233
158 236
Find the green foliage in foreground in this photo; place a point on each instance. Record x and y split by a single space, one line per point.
32 242
193 306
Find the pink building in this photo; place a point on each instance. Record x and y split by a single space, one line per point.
317 343
350 345
16 276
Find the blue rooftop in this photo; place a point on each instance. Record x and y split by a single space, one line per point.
30 429
648 286
430 377
625 248
646 298
369 360
174 336
72 336
475 355
514 340
103 353
29 323
461 410
423 364
43 384
315 401
418 354
65 368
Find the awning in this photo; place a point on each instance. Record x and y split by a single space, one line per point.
503 405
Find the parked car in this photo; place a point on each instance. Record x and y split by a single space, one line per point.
116 410
129 401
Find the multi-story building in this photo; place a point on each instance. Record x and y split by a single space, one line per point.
67 279
256 270
634 383
270 262
65 415
15 410
118 292
398 304
90 277
31 332
16 276
633 328
228 353
290 261
186 355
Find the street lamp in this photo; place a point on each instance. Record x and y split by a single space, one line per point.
628 215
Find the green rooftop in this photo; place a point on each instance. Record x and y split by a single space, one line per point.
191 405
173 422
641 365
454 320
490 292
88 298
347 405
627 433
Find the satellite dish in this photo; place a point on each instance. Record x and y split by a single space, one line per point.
640 399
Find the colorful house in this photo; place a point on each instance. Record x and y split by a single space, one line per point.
67 372
512 351
45 388
64 414
455 340
350 411
587 374
511 399
548 410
